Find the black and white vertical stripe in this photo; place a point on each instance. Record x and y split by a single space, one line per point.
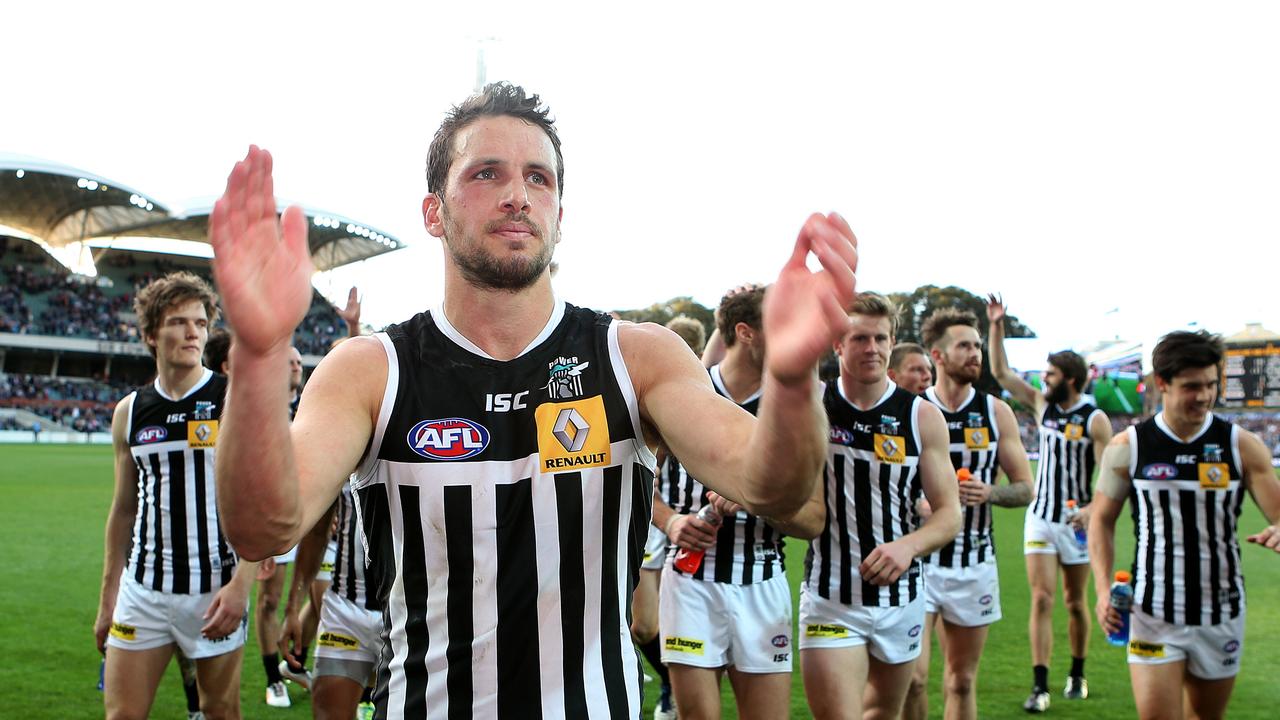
869 502
1186 566
1065 468
973 544
348 578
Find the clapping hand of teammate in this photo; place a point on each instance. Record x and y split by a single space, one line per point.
225 612
351 313
262 262
886 563
291 639
804 311
1108 617
690 532
995 308
974 493
1269 538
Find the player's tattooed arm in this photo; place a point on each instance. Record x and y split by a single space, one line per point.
1013 460
1263 485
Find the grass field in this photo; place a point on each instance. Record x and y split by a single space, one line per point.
53 505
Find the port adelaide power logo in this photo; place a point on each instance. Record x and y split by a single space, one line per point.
448 439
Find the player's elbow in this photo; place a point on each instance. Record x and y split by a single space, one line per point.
256 539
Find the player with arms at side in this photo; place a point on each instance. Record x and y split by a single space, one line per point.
170 578
1073 434
1185 472
458 425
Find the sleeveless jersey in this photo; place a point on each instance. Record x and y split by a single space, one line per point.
1065 470
747 549
1185 501
870 484
348 577
974 437
505 506
178 545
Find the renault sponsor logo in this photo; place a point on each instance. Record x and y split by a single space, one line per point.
202 433
572 435
890 448
448 439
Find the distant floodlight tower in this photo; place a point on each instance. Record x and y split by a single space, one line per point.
482 72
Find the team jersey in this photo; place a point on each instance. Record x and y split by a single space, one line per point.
747 549
348 576
974 437
1185 501
1065 469
870 485
504 507
178 545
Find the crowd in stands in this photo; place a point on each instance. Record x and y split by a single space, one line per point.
82 405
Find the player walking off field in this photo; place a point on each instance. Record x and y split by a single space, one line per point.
175 580
961 583
862 601
501 441
1185 472
1073 434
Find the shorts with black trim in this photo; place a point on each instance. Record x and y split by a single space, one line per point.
655 549
325 574
1212 652
1041 537
708 624
146 619
964 596
347 633
892 634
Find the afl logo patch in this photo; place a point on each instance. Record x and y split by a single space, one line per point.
448 439
1231 646
915 631
1159 471
779 641
985 600
150 434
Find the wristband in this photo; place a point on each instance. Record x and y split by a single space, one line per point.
667 530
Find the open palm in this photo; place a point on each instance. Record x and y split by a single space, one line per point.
262 263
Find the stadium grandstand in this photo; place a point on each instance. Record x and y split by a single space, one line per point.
74 248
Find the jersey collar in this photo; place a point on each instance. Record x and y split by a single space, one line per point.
204 378
442 322
1164 427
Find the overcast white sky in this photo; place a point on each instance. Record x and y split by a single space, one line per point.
1080 157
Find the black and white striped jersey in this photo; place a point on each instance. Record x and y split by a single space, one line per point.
974 438
505 506
178 545
748 549
1065 469
871 484
1185 501
348 576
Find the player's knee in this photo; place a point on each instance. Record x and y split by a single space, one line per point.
1042 601
919 686
268 604
1076 608
959 684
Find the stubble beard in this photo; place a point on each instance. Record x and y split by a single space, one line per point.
483 270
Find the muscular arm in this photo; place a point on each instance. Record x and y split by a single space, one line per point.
1260 479
307 564
124 507
1008 379
1108 500
1013 460
806 523
276 480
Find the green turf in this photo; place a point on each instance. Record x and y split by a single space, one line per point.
53 505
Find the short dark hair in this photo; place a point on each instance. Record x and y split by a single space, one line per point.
740 305
1073 367
217 348
936 325
877 305
495 100
163 293
902 351
1185 350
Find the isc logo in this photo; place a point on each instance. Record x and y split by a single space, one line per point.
448 439
150 434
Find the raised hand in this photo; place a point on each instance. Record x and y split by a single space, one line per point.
351 313
262 263
995 308
805 312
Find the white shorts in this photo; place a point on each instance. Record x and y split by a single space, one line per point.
1212 652
325 573
892 634
287 557
655 549
710 625
1041 537
146 618
969 597
347 631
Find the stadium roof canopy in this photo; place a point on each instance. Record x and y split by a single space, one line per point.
60 205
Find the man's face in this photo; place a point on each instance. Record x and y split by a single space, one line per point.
184 329
295 369
500 211
914 374
1056 387
961 354
1191 393
864 350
